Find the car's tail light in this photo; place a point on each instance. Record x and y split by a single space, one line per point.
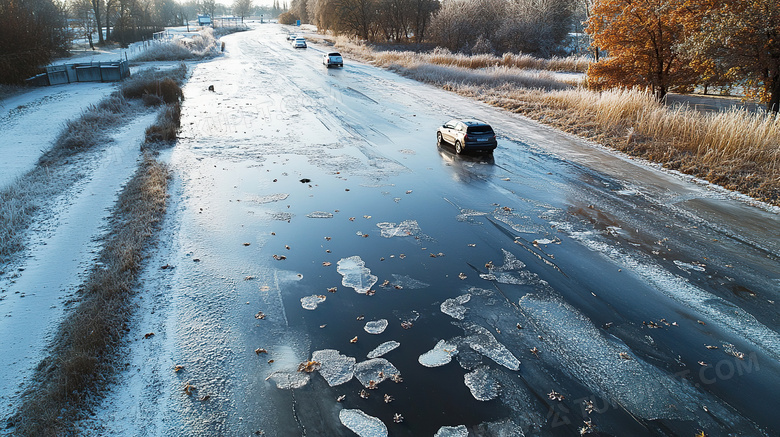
465 137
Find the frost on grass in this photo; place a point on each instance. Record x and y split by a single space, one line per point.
454 307
440 355
355 274
452 431
383 349
335 368
407 228
482 384
482 341
375 369
289 379
319 214
408 282
362 424
311 302
376 326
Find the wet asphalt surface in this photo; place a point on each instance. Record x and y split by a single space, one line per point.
636 302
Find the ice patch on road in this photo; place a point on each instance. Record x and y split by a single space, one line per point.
407 228
454 307
311 302
269 198
452 431
375 369
319 214
335 368
482 384
289 379
362 424
681 290
408 282
469 216
376 326
641 389
440 355
511 272
689 266
383 349
482 341
355 274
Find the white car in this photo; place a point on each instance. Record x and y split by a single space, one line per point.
299 43
291 37
333 59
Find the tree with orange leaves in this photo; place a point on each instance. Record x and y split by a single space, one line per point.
740 37
640 37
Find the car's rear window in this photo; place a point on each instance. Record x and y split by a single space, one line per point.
334 54
484 129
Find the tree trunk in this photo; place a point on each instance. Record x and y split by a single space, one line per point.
774 97
96 9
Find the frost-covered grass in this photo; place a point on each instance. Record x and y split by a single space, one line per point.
79 360
738 150
203 45
150 87
442 56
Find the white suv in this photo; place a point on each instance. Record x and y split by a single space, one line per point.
299 43
333 59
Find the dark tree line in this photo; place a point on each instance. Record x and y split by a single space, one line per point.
532 26
31 33
373 20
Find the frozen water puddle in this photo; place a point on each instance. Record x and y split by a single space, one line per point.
511 272
362 424
355 274
335 368
454 307
311 302
372 372
408 282
287 376
483 386
383 349
407 228
452 431
483 341
376 326
640 388
269 198
319 214
440 355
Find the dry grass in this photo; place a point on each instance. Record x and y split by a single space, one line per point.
201 46
738 150
441 56
164 131
81 355
151 87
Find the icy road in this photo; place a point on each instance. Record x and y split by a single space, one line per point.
335 272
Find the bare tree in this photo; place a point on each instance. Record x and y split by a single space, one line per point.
97 8
242 8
